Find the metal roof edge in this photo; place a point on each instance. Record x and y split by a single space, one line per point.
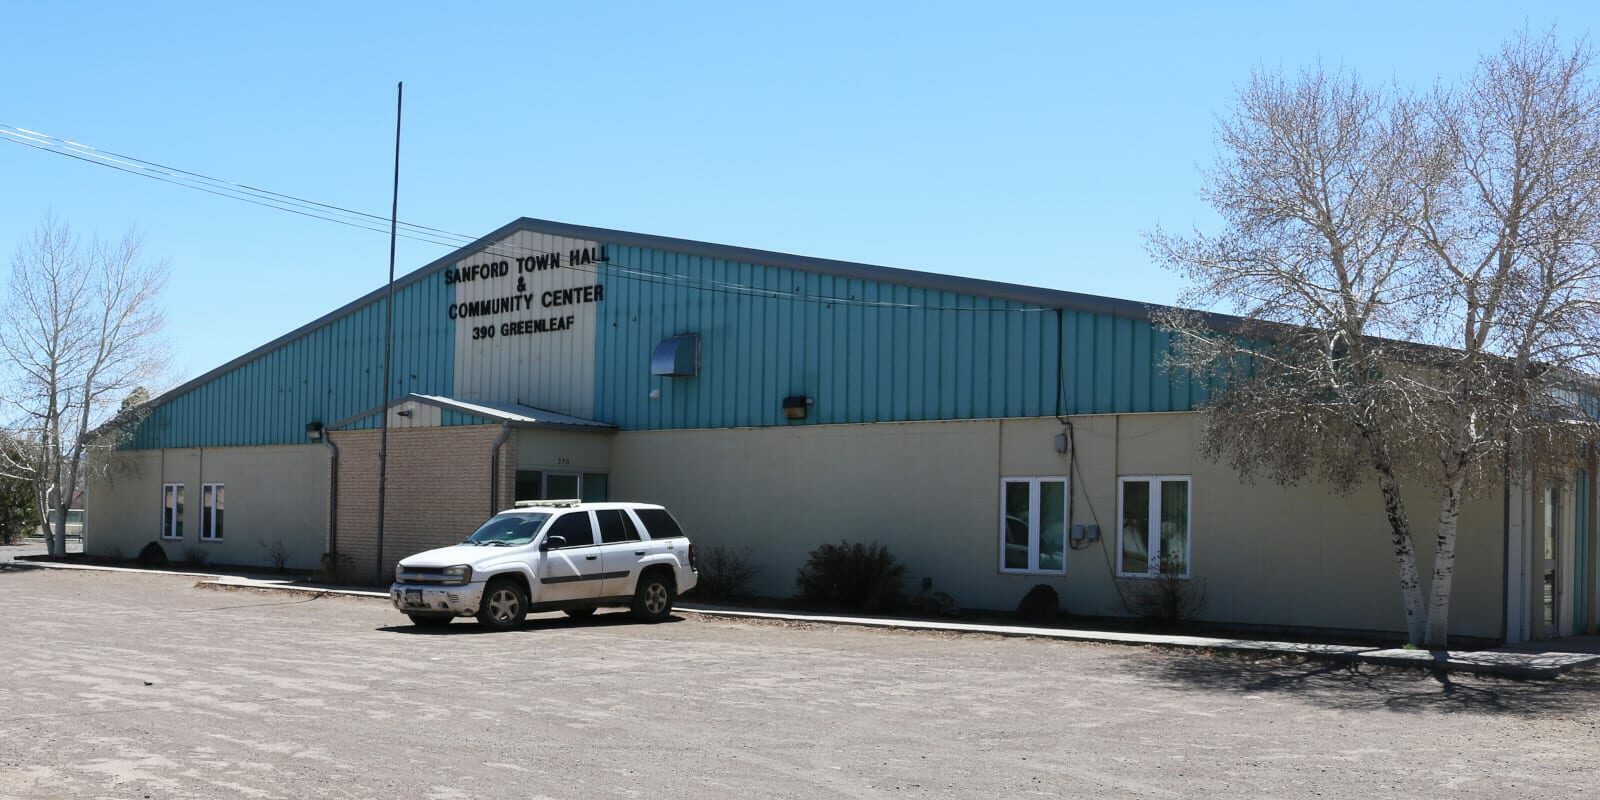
1014 292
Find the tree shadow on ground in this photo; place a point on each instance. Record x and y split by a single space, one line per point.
1356 686
465 626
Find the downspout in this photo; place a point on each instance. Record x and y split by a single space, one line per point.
333 501
494 467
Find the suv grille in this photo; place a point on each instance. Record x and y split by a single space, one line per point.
425 575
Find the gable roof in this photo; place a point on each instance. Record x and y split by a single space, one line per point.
1019 293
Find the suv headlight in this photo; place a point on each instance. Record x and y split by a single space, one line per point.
460 573
398 568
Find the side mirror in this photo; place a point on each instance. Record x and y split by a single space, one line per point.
552 542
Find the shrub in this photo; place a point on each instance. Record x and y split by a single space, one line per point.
724 572
196 555
1165 599
19 512
854 576
277 554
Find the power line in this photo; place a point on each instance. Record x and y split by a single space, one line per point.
421 233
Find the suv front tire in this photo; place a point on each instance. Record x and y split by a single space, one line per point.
504 605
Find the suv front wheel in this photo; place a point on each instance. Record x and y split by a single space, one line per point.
504 605
652 600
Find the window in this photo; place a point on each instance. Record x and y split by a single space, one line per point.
1033 523
211 512
575 528
529 484
590 487
616 526
1146 549
172 511
658 523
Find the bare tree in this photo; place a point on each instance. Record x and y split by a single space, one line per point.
79 332
1418 285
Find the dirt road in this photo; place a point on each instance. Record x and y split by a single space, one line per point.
140 686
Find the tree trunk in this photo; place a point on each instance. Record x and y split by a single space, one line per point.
1405 554
1444 566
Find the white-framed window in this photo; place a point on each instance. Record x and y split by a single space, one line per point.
1149 549
1033 524
172 511
210 512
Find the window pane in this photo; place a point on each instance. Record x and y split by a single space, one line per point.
218 523
1175 526
528 481
595 487
560 487
658 523
179 514
1052 525
1136 526
205 511
168 503
631 530
611 529
575 527
1016 525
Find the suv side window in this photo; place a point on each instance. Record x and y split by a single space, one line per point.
616 526
574 527
658 523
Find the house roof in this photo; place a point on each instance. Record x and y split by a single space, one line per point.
1031 295
518 416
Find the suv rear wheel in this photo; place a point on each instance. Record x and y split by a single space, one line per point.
504 605
652 600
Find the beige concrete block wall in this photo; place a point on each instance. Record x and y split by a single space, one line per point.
1268 555
437 490
564 450
271 494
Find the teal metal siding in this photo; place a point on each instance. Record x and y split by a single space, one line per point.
326 375
887 353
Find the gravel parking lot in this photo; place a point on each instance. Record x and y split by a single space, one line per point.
119 685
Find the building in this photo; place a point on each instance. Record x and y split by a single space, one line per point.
776 402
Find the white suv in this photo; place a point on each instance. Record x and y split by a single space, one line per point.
548 555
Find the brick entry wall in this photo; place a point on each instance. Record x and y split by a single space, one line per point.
437 492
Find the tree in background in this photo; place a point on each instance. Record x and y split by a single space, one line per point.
79 332
19 506
1419 284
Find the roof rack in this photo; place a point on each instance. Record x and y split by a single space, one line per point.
546 503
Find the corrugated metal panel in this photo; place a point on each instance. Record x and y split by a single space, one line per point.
887 353
324 376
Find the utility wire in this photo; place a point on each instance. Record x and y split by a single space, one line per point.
422 233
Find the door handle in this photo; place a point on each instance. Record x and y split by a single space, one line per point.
638 552
590 558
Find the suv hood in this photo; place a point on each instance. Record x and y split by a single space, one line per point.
470 554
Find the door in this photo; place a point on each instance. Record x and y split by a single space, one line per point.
1551 550
621 552
571 571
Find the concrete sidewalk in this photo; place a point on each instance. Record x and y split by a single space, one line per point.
1534 660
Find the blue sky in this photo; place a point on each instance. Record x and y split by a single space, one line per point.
1022 142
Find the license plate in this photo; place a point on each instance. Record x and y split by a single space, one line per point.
413 597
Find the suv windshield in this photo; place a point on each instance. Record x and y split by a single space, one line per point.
506 530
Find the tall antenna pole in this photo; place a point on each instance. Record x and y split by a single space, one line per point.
388 333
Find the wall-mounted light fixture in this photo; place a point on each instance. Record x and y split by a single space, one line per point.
794 406
404 412
314 431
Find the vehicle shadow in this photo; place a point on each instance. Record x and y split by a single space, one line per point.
466 626
1355 686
